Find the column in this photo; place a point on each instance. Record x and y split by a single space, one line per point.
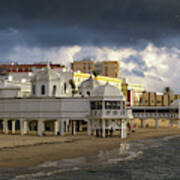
40 127
22 126
123 129
143 123
56 127
26 128
67 126
13 127
89 127
103 129
80 126
5 126
132 125
62 127
157 123
74 127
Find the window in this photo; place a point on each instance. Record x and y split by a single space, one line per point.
163 110
54 90
65 88
84 67
138 110
93 105
150 110
33 89
112 105
88 93
96 105
89 66
106 71
43 89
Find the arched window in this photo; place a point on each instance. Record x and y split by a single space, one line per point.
88 93
43 90
65 87
54 90
33 89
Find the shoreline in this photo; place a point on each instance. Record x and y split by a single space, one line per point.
27 151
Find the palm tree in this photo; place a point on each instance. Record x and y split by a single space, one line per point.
73 86
95 73
167 90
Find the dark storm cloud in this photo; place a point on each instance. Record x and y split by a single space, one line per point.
99 22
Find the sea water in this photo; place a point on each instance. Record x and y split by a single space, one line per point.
154 159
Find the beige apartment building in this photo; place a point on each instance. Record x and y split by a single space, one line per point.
111 68
84 66
157 99
104 68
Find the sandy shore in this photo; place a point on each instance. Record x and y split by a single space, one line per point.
18 151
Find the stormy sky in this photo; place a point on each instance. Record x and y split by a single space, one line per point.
143 34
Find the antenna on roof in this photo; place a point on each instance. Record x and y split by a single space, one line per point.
48 65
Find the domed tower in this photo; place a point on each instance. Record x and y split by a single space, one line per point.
86 87
47 83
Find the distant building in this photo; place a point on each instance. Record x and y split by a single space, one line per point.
104 68
86 83
132 93
84 66
18 77
111 69
157 99
25 68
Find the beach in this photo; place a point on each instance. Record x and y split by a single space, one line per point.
25 151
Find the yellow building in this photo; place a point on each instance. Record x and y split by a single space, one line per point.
84 66
132 93
79 77
157 99
105 68
111 69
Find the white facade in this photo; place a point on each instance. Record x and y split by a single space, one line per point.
9 91
11 83
50 83
50 108
107 110
86 87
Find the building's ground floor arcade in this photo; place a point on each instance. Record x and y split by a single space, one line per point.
42 126
153 123
158 117
107 127
47 127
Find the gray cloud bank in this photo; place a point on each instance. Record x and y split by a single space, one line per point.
68 22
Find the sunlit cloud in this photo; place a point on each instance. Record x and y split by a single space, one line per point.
155 67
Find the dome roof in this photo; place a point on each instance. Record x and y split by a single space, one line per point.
90 82
107 91
46 74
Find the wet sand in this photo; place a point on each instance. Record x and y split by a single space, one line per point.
17 151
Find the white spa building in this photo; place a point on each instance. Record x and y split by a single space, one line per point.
51 108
